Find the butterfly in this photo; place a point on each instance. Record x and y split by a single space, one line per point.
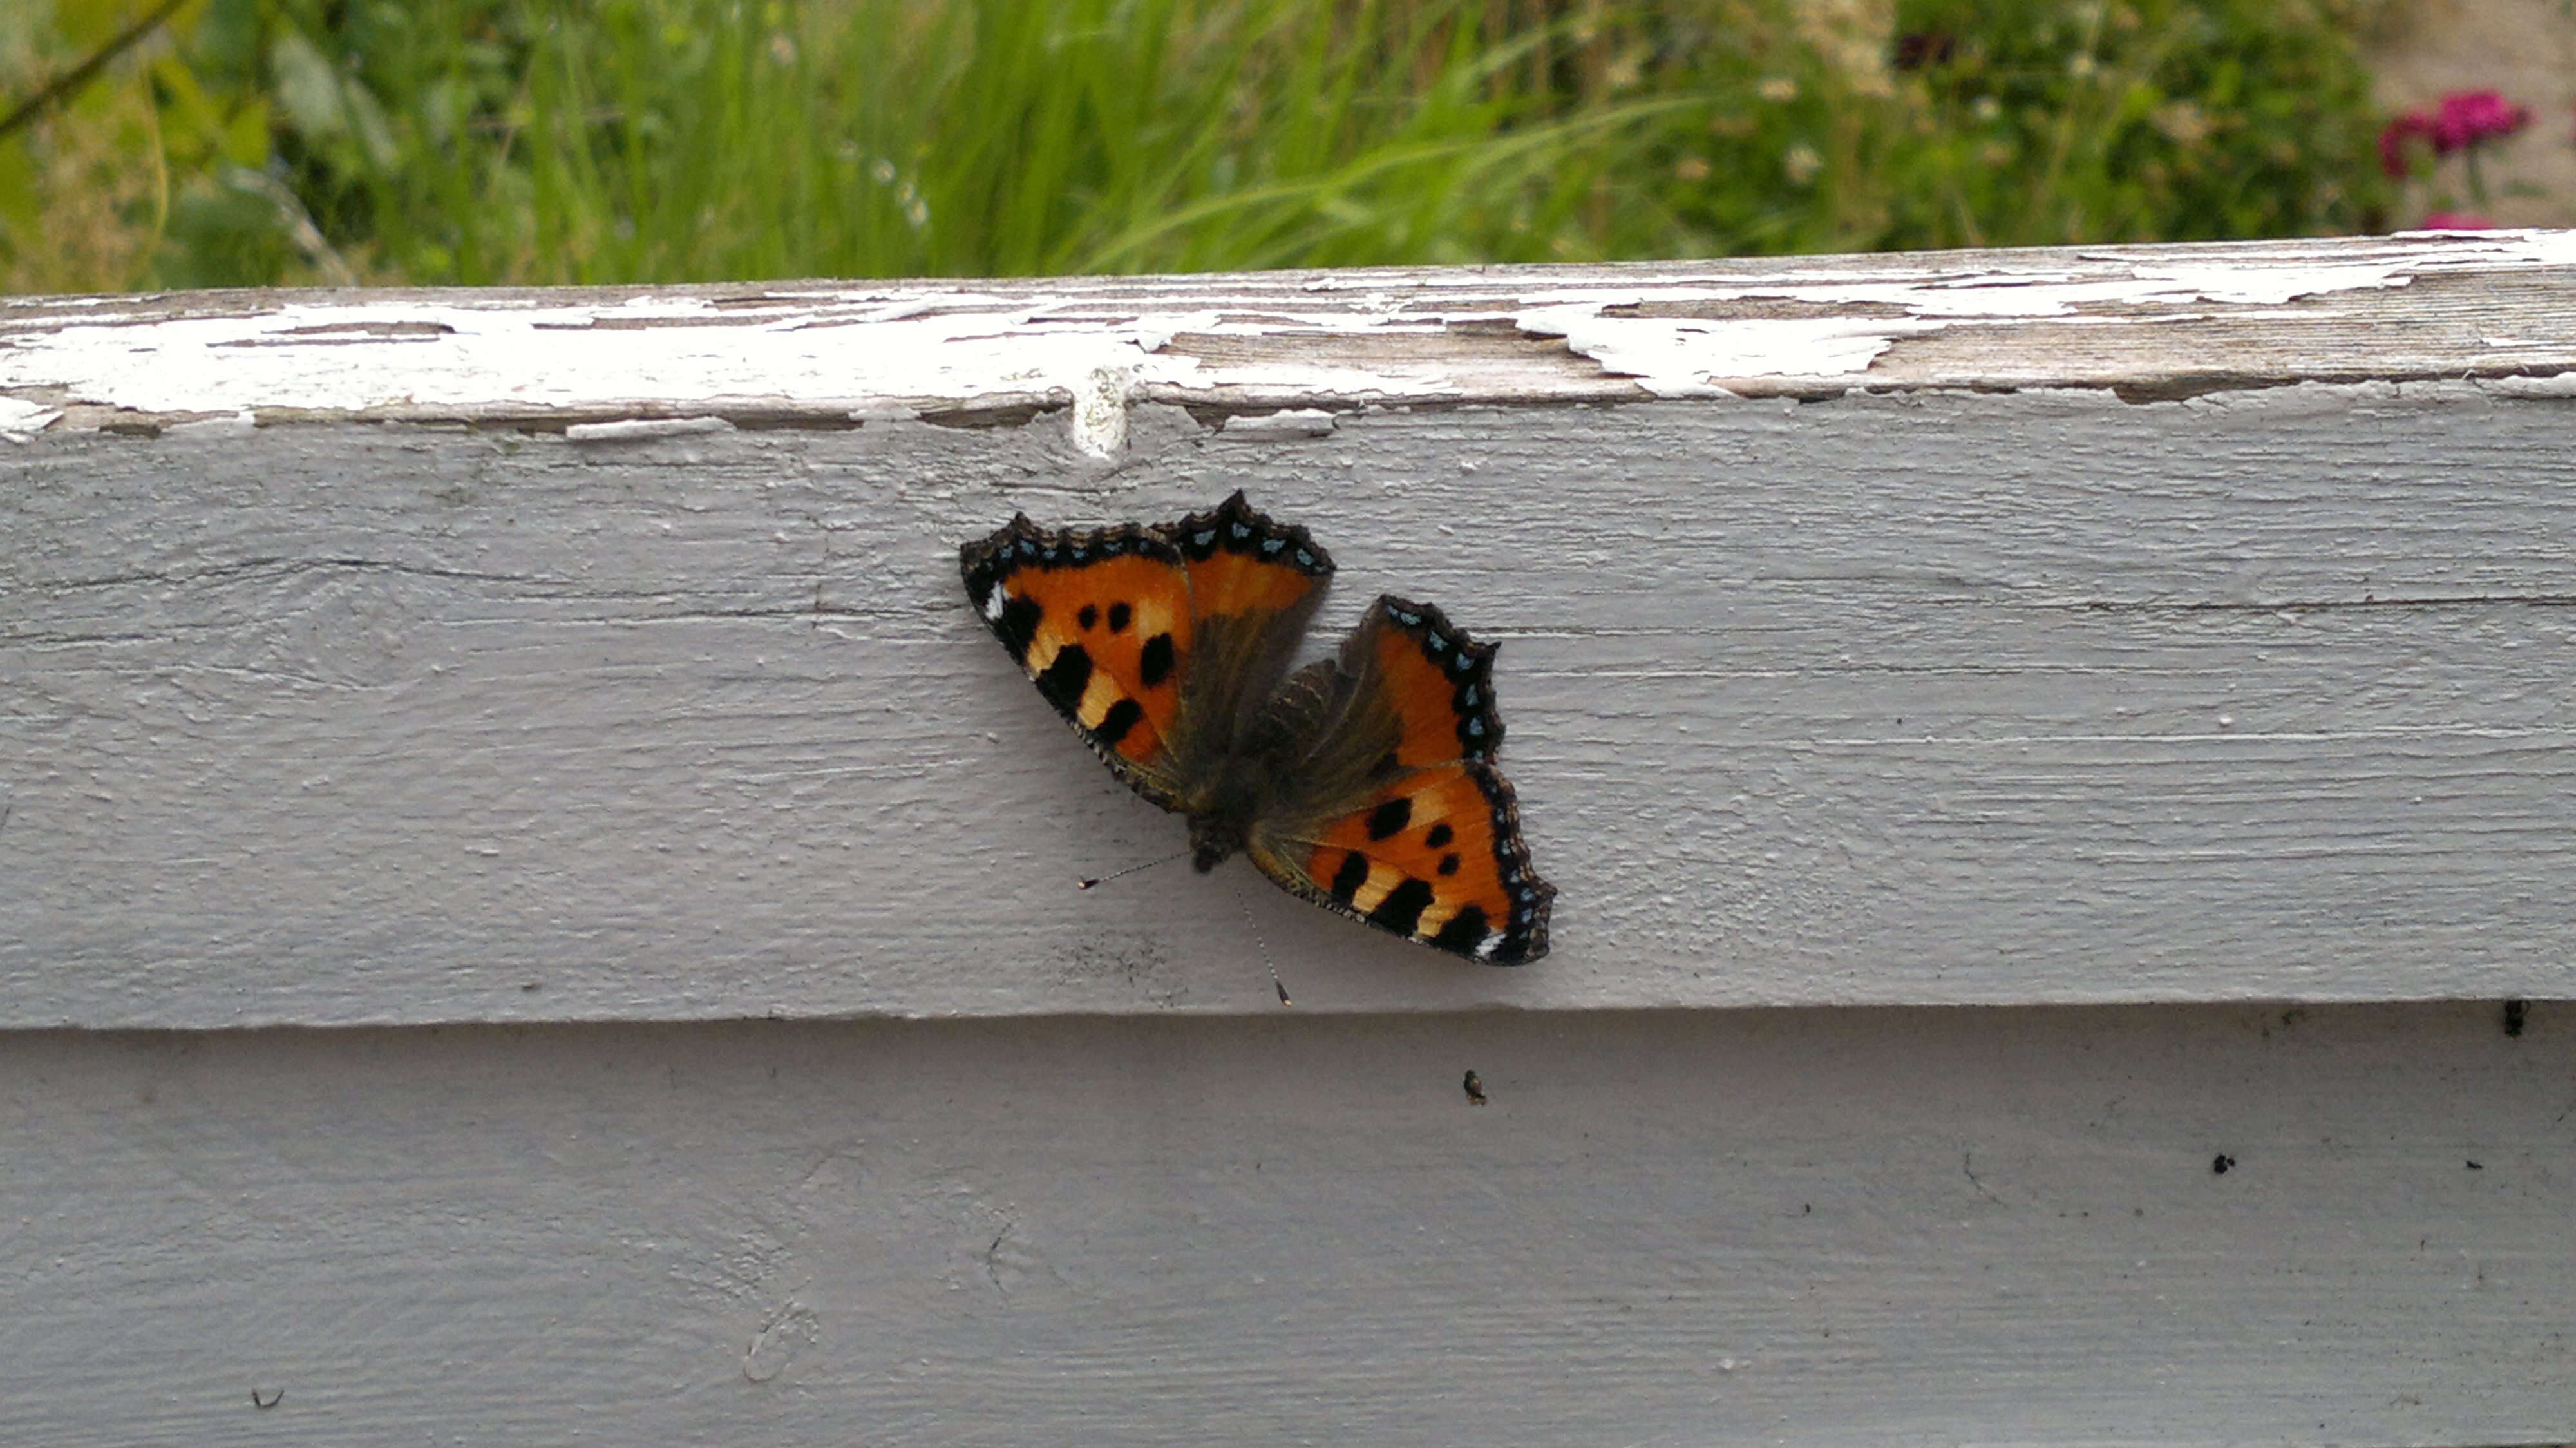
1364 782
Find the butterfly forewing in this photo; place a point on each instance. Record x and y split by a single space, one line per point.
1100 620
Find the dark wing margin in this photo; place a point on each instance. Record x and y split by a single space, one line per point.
1424 655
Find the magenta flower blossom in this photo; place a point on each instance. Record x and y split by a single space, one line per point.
2468 117
2392 141
2462 121
2455 221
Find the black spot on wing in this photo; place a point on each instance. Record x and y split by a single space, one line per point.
1402 908
1449 863
1119 614
1066 677
1122 716
1154 663
1438 835
1017 626
989 563
1465 931
1088 617
1350 877
1390 818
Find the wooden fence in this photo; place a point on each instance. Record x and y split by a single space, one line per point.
570 698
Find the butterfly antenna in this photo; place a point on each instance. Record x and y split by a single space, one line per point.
1264 947
1099 880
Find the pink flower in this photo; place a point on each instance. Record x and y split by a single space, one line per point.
2460 120
2455 221
2468 117
2392 141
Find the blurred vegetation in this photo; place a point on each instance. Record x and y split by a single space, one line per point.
512 141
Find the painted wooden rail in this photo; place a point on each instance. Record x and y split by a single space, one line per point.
2167 648
2177 624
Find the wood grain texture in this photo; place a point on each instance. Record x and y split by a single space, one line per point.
2147 322
1821 1227
556 706
1947 699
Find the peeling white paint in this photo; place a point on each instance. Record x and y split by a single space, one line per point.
1683 357
857 351
233 425
894 351
1287 422
2562 384
20 421
637 429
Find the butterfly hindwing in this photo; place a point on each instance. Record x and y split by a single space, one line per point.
1437 858
1101 621
1430 847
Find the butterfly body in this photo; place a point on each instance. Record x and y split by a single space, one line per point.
1363 782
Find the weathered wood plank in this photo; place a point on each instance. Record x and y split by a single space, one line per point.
405 702
1820 1227
2151 322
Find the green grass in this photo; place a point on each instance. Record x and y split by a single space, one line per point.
485 141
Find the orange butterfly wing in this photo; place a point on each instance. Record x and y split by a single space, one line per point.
1242 563
1149 640
1162 646
1101 621
1434 853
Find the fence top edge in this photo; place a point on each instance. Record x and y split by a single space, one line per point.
2147 322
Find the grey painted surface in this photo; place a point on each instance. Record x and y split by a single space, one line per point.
1816 1227
1937 699
515 660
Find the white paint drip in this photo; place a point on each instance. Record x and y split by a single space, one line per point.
1100 411
889 352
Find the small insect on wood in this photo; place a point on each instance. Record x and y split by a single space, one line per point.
1363 782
